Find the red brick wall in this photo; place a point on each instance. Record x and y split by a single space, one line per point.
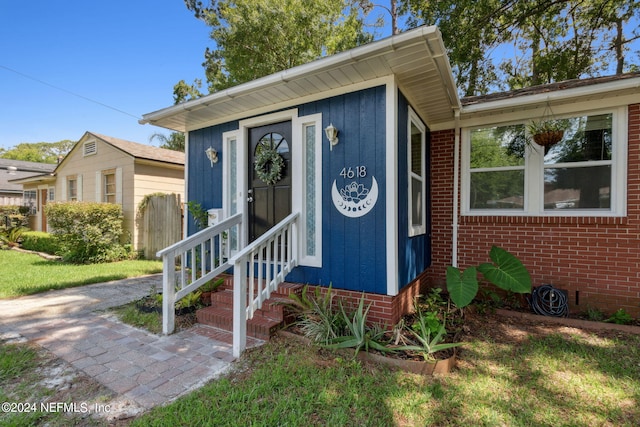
596 259
385 310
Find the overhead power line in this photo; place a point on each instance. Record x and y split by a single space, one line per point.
69 92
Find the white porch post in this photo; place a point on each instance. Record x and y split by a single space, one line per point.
239 307
168 293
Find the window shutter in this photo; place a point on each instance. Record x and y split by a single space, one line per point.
119 185
63 193
98 186
80 198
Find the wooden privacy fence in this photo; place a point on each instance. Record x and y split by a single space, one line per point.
161 224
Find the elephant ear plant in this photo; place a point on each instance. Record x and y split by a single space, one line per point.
507 272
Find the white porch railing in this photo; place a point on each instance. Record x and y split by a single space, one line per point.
258 269
192 262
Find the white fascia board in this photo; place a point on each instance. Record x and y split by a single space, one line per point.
354 55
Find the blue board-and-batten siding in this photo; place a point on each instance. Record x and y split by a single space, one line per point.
354 249
204 183
414 253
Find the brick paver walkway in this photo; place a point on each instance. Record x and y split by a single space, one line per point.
142 367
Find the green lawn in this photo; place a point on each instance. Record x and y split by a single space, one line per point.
25 274
558 377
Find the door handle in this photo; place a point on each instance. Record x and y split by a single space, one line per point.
250 195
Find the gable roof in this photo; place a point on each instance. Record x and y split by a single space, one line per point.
417 58
140 151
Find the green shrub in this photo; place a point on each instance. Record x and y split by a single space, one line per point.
40 241
87 232
620 317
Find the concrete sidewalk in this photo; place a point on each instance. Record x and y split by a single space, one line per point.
146 369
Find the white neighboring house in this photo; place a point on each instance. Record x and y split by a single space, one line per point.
111 170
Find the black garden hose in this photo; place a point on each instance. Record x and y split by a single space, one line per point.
549 301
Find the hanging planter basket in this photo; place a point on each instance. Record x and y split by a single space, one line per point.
548 138
547 131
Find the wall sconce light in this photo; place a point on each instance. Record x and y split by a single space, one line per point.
332 135
212 155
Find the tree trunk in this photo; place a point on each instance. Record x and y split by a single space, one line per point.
618 46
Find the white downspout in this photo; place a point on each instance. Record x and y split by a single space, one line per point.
456 189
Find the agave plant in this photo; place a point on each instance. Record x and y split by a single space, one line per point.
430 341
321 323
359 335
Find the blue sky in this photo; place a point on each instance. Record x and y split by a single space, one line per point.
123 55
126 54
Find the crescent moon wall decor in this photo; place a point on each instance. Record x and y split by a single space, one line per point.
355 200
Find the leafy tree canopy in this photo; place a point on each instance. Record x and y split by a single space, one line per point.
175 140
492 44
40 152
255 38
547 40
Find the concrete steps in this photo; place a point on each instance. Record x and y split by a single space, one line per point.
265 322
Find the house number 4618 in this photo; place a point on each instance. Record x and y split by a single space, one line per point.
354 172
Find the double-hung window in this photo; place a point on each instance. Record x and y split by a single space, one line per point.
29 198
506 173
109 186
416 148
72 188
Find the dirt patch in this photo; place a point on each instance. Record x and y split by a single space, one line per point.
503 327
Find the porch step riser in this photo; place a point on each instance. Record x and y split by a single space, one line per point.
265 322
258 327
274 307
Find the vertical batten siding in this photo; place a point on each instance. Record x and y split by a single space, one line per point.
597 256
354 256
414 253
204 185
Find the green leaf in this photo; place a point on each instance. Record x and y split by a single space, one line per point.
462 289
508 273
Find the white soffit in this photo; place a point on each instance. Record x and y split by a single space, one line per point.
416 58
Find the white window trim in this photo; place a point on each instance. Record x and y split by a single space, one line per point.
416 230
228 140
534 173
299 187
